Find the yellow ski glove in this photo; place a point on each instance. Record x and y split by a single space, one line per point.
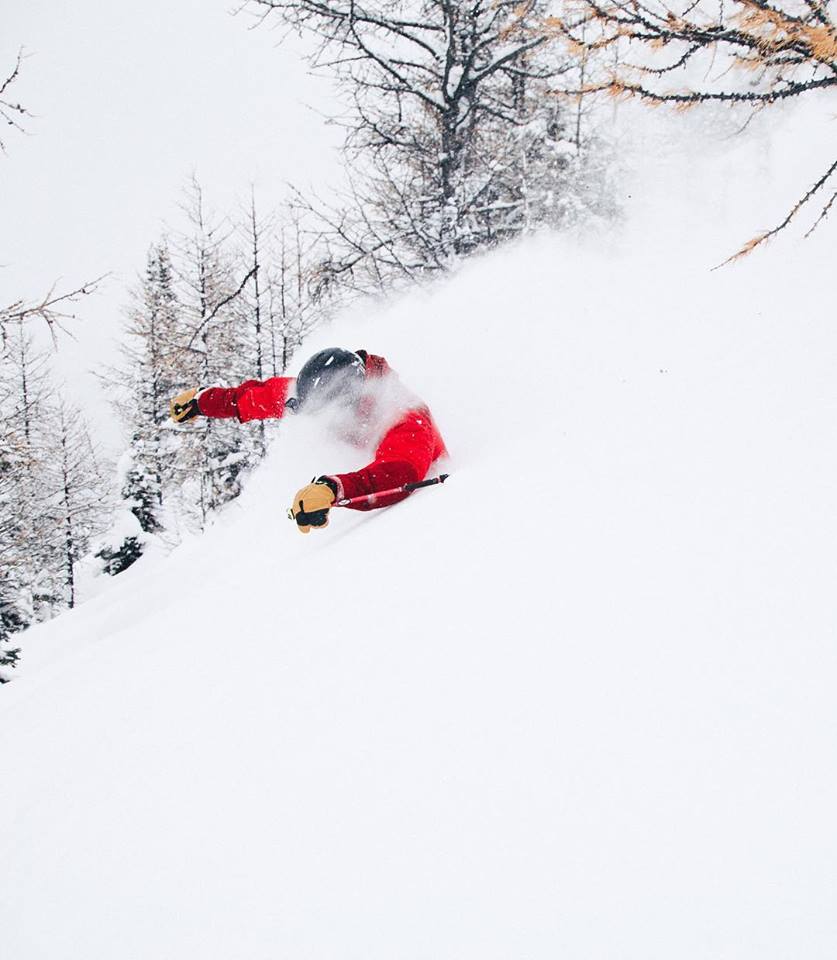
184 406
311 505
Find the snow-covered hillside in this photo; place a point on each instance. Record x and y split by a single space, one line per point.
577 703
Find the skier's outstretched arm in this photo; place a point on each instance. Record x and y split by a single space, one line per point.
251 400
403 456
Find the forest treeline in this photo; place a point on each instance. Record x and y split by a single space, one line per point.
467 124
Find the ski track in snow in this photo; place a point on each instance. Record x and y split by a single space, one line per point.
577 703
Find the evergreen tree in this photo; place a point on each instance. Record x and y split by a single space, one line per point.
146 379
10 622
137 516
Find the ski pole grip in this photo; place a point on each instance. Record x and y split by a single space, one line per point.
409 487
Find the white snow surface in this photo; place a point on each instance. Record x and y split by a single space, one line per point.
578 702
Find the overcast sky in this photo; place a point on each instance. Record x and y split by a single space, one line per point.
129 101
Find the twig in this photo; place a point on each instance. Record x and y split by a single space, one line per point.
49 308
760 239
220 305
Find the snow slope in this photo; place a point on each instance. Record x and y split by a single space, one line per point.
577 703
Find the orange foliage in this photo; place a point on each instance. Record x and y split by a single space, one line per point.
748 247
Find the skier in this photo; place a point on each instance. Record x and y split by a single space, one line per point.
365 403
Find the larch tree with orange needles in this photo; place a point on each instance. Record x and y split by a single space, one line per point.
781 50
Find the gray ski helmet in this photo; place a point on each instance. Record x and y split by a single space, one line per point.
332 375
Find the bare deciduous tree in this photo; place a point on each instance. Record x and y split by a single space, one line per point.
292 310
75 481
447 120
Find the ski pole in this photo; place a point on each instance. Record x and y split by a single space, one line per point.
371 498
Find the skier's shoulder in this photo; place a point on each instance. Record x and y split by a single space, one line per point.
376 366
415 416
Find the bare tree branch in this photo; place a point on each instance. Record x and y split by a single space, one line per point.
52 308
12 113
757 241
220 306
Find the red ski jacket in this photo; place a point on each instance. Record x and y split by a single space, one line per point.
403 455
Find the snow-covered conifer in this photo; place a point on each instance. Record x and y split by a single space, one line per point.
137 515
145 380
